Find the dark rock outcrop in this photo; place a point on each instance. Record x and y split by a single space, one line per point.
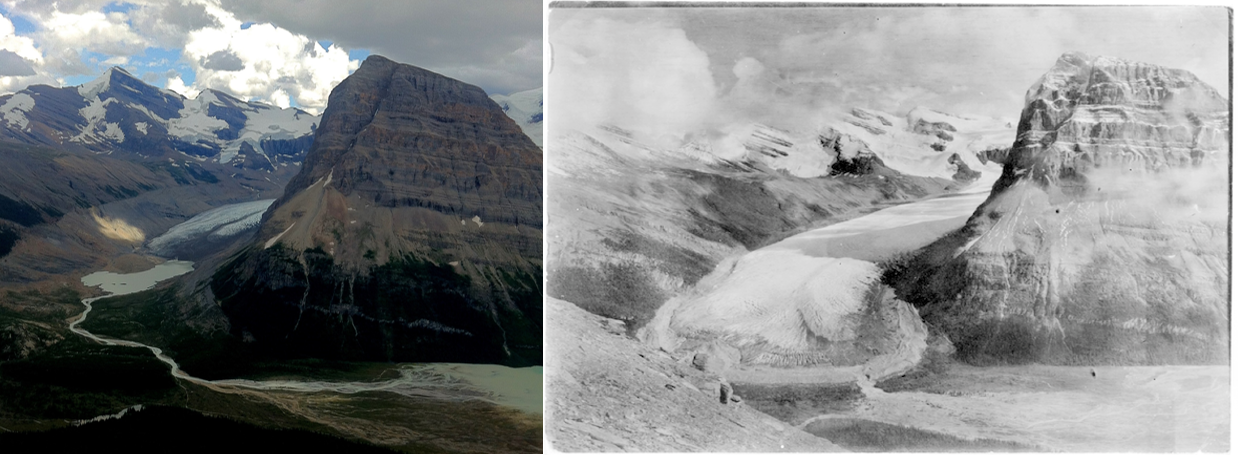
411 233
997 155
851 155
940 129
963 173
1104 240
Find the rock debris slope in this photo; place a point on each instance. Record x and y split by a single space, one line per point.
412 232
612 393
1104 240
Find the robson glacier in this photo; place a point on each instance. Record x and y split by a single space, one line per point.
216 223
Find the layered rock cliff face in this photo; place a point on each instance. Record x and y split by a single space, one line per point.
412 232
1105 239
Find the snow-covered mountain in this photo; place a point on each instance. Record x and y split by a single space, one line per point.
118 112
526 109
923 143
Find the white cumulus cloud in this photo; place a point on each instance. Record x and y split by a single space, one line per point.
643 75
264 62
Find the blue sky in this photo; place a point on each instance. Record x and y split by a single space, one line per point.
284 52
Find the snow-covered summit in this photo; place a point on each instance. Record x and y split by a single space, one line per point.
119 112
526 109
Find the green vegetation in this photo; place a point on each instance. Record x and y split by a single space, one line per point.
623 291
407 310
19 212
76 379
155 318
65 376
868 436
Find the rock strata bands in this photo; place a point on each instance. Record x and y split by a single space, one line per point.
1104 241
469 157
412 233
1089 112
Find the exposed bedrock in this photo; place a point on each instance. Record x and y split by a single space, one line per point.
411 233
1104 241
629 234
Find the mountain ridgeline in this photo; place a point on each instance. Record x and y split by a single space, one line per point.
118 112
412 232
117 152
1104 241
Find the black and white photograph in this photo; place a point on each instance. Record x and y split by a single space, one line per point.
887 228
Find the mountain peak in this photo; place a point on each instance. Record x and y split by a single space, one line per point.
378 59
423 196
104 82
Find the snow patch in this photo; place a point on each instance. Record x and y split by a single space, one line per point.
93 88
94 113
141 127
112 131
271 243
15 110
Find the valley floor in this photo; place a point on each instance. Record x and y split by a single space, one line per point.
1059 408
356 406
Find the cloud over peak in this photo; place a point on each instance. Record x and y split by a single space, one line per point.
279 52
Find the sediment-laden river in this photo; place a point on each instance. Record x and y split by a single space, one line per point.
519 388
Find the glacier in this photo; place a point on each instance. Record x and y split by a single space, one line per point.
216 223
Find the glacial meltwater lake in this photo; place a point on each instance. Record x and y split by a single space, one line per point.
128 283
520 388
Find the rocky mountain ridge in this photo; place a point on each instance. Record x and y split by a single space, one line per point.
921 143
118 112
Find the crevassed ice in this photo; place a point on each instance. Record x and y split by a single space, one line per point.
218 222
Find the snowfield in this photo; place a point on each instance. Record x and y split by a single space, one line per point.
526 109
198 122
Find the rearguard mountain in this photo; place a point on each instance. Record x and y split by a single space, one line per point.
95 171
119 112
412 232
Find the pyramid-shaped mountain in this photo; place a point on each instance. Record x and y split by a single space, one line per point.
412 232
1105 240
